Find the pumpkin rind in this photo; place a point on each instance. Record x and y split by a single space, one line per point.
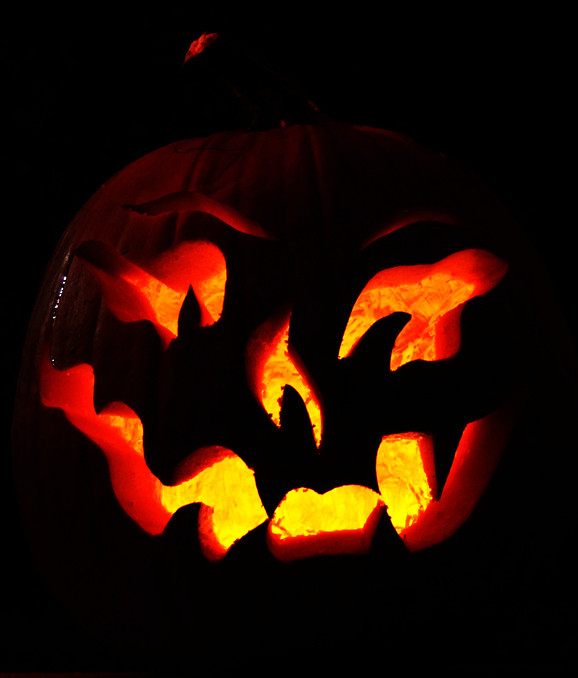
295 213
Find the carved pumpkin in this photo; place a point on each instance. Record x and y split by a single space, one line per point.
315 335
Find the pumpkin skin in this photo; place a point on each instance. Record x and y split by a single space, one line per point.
307 200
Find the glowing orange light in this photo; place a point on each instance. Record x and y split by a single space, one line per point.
202 266
199 45
214 476
305 523
477 455
157 295
342 520
434 296
405 476
271 366
225 486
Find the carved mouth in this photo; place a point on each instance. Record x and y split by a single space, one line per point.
213 476
342 520
304 523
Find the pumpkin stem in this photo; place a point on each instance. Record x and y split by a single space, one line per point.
252 95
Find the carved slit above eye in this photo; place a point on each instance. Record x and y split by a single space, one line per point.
434 295
193 201
157 293
272 365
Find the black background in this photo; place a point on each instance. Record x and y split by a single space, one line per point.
85 92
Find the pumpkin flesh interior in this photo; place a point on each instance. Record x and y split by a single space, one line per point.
434 296
133 293
305 523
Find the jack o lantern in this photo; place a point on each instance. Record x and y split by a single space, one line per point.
181 450
313 335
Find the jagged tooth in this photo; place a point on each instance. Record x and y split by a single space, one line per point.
189 315
386 542
446 443
296 423
185 521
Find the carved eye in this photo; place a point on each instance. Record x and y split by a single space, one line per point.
434 295
157 293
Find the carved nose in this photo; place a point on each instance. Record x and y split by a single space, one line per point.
352 405
359 396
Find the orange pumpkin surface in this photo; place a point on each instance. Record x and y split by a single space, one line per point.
263 347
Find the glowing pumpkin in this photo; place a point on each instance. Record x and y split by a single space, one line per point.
307 331
146 292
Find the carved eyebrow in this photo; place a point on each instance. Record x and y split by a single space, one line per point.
412 219
193 201
421 238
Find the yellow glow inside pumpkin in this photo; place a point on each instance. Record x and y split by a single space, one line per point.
201 265
157 295
433 295
225 485
405 476
213 476
342 520
271 367
305 523
304 513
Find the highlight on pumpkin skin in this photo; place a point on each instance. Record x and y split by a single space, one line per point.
406 476
434 295
214 476
342 520
271 365
157 294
